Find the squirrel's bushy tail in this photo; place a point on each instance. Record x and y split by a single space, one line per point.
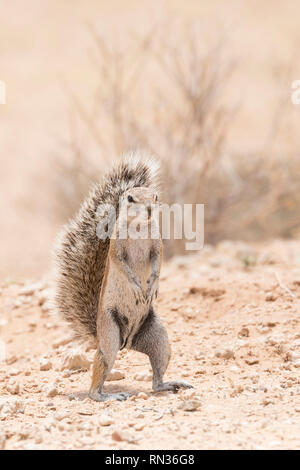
80 256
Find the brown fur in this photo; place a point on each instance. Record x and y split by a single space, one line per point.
80 256
106 288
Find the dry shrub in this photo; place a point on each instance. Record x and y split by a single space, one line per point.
161 93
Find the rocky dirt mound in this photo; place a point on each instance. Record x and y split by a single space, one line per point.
233 318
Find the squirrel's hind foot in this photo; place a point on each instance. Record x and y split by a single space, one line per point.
172 386
96 396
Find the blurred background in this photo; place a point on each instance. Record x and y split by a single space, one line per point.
204 85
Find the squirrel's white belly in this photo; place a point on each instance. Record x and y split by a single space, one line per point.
138 259
119 296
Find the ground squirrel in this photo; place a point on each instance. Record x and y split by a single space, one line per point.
106 287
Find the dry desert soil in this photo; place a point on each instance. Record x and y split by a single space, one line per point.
233 318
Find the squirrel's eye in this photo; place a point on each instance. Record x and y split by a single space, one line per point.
130 199
156 198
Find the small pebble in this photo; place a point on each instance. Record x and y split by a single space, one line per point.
45 364
74 360
115 375
105 420
189 405
51 391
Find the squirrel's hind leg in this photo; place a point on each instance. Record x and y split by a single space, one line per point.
100 372
103 362
152 339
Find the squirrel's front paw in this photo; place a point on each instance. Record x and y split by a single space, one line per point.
152 290
138 293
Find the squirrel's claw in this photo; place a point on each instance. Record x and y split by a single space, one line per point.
138 293
152 291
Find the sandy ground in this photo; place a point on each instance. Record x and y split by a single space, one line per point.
233 318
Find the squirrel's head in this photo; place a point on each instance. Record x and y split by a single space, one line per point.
139 204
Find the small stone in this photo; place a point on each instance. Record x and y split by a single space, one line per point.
266 402
225 354
143 395
87 441
115 375
275 340
190 405
10 406
85 427
13 388
38 439
49 424
123 436
188 393
11 360
139 426
14 372
45 364
252 361
270 297
117 436
17 303
75 359
59 416
43 296
105 420
244 332
24 433
46 307
51 391
143 376
291 356
67 373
